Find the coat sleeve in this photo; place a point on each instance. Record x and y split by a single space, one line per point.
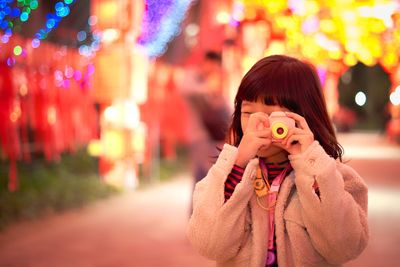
336 220
217 229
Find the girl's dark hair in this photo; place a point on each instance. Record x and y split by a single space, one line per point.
290 83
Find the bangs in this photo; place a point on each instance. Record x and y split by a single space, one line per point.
276 88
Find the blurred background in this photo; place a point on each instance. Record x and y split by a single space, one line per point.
111 110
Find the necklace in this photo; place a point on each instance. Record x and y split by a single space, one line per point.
262 186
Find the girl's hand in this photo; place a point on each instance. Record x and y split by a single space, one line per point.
256 136
299 138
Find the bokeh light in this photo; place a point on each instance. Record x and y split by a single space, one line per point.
17 50
360 98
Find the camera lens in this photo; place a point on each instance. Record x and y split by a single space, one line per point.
279 130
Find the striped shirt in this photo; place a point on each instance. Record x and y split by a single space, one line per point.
236 174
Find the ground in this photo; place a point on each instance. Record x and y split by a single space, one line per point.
146 227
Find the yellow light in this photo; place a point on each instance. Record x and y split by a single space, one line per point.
365 57
327 26
350 60
275 6
247 63
280 22
356 28
376 26
352 46
309 50
376 49
223 17
113 143
107 13
95 148
335 54
390 60
275 48
353 32
311 7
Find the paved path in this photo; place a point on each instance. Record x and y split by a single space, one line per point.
142 228
378 162
146 227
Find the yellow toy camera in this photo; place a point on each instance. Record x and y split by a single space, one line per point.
280 125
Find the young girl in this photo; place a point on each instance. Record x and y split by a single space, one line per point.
280 202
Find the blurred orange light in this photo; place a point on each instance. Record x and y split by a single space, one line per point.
108 12
23 90
13 116
250 13
51 115
16 113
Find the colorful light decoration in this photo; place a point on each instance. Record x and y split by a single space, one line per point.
71 78
161 23
9 13
62 10
348 31
22 10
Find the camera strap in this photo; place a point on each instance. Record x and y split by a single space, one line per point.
272 196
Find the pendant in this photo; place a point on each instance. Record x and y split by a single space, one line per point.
260 187
271 258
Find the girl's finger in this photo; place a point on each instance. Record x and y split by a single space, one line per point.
293 138
280 144
301 121
264 143
257 118
266 133
292 132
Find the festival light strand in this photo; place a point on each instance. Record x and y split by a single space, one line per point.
161 23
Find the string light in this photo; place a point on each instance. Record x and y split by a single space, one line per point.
161 23
62 79
10 61
10 12
62 10
81 36
17 50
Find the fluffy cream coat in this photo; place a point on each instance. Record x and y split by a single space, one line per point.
311 230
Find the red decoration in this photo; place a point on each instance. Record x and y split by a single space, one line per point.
61 116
